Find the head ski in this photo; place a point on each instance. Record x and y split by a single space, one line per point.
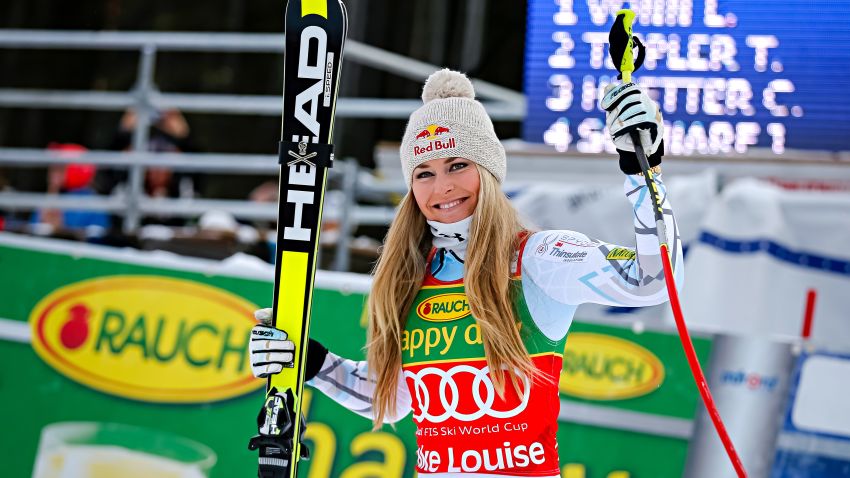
315 36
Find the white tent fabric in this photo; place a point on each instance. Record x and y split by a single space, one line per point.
760 250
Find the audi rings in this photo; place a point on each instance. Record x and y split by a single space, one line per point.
450 400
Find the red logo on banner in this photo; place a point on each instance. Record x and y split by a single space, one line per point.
76 328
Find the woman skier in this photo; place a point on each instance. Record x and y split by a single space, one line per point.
469 310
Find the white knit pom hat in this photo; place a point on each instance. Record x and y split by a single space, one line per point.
450 124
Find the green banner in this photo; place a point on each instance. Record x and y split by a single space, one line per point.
138 360
613 360
675 394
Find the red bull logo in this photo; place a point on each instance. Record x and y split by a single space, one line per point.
435 146
432 131
433 134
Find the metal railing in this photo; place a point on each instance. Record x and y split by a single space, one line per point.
501 103
146 99
348 215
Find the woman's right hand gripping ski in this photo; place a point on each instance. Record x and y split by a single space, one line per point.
270 349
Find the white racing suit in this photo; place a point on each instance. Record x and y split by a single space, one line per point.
555 271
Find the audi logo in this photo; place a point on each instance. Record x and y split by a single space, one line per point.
450 400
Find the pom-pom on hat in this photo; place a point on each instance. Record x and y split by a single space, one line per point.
450 124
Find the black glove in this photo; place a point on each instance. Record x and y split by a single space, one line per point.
629 163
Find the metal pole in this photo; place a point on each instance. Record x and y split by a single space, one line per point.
141 134
436 51
472 35
342 259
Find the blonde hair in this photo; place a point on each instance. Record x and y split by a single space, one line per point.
493 242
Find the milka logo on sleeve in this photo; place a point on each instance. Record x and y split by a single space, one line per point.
620 253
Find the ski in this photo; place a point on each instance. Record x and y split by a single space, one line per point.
315 36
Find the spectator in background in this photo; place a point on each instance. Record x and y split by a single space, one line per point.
266 192
73 180
170 133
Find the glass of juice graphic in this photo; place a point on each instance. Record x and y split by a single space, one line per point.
109 450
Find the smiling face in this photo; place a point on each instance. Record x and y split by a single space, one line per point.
446 189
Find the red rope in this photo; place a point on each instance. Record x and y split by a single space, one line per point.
696 369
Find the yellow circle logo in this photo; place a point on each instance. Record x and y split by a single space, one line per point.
602 367
148 338
444 307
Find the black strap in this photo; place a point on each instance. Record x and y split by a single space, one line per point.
316 353
640 56
314 154
641 52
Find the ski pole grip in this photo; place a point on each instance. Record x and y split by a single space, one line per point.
621 45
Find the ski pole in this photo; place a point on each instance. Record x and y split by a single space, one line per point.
624 20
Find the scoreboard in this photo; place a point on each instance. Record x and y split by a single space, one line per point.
729 75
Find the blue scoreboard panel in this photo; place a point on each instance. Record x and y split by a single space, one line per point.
729 75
